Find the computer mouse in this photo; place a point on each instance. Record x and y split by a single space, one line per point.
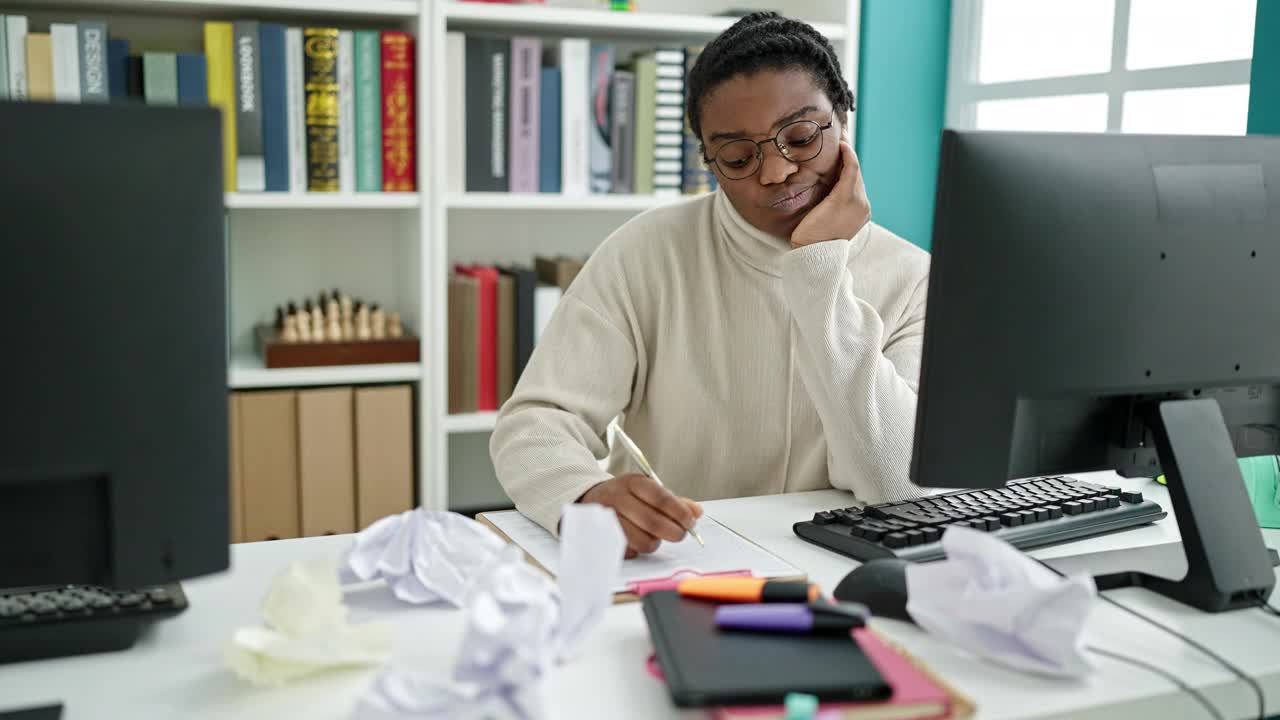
881 585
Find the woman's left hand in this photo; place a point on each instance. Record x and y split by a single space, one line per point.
843 212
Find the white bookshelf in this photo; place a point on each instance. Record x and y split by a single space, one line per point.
245 372
552 201
338 10
322 201
470 422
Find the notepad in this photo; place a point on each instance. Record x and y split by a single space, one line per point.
725 552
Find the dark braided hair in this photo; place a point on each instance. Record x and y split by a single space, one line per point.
765 41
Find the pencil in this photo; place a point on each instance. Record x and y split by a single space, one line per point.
648 469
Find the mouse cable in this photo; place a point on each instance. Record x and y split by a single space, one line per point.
1257 689
1177 681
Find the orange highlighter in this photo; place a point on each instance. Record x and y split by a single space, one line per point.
748 590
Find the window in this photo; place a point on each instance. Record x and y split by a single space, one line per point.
1145 66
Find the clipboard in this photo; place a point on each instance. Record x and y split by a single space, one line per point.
636 588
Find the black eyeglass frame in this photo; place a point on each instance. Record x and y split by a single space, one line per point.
822 128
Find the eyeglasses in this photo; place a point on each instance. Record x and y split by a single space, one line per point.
798 142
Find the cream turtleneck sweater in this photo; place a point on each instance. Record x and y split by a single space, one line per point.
740 366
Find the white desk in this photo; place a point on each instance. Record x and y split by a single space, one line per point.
176 671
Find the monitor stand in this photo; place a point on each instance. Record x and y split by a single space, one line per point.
1228 566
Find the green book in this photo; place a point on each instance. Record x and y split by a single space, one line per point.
368 112
645 112
160 78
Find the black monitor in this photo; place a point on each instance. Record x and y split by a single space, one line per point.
1110 302
113 415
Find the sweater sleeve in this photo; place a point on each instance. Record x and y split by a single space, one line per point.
861 375
550 436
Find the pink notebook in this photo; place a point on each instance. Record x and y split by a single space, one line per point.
915 695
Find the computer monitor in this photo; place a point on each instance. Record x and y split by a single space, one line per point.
1110 302
113 415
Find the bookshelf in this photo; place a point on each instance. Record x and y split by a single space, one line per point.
245 372
322 201
470 422
552 201
213 9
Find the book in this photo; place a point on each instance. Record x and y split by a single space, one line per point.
549 130
668 122
320 72
118 69
193 79
251 175
269 450
698 178
39 66
524 281
326 461
559 271
399 138
15 29
455 108
236 461
92 51
545 299
295 101
275 107
575 116
219 41
464 298
622 139
346 112
4 60
64 41
526 65
384 452
601 120
135 78
485 353
368 111
487 82
506 338
646 69
160 78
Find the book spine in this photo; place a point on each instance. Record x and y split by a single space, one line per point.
275 108
455 161
92 44
526 61
549 155
368 86
399 136
487 82
575 116
297 115
601 155
64 38
346 112
136 78
251 173
219 41
698 178
15 28
668 122
193 80
487 341
39 66
642 161
160 78
545 300
118 69
320 48
4 60
622 137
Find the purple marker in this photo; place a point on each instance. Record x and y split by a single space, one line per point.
798 618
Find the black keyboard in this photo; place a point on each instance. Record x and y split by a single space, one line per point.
56 621
1024 513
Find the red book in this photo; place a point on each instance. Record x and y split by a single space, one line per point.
486 335
399 149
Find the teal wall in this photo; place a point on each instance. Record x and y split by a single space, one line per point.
902 93
1264 85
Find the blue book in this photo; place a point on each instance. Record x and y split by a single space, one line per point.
549 132
193 79
275 107
118 69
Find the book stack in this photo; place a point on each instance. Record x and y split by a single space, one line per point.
496 317
528 114
305 109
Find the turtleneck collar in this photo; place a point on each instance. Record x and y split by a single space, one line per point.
751 245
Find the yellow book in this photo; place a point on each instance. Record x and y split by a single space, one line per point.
39 67
218 48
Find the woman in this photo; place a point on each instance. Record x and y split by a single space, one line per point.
761 339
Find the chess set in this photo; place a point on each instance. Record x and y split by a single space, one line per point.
335 329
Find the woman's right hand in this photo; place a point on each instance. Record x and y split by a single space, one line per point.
648 512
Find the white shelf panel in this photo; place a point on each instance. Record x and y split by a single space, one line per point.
539 18
470 422
323 201
311 8
247 372
553 201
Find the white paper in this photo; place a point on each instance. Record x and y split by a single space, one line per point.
306 631
725 551
993 600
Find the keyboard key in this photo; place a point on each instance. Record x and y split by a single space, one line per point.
1009 520
914 537
823 518
877 512
1028 516
1055 511
848 518
1072 507
856 531
1088 505
1131 496
990 523
873 534
1042 514
931 534
895 540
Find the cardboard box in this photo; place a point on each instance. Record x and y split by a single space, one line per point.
326 461
384 452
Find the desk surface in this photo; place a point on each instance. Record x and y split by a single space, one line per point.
176 670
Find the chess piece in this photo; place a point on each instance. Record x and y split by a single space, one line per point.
289 329
279 322
377 323
363 331
317 324
303 321
344 301
334 328
394 328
